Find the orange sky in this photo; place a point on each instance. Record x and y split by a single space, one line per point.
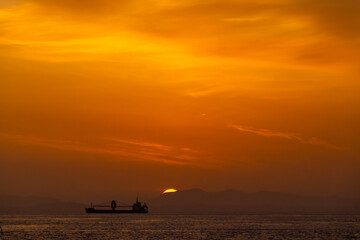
103 96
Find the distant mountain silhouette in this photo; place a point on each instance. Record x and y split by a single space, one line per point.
233 201
197 201
38 205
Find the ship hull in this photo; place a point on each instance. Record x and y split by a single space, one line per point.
92 210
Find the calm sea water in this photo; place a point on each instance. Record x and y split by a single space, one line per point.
152 226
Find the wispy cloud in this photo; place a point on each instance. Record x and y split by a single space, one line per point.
265 132
243 19
143 144
286 135
196 93
131 149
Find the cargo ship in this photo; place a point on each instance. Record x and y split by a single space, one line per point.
137 207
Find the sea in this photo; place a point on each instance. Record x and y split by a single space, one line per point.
156 226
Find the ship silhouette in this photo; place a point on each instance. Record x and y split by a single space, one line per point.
137 207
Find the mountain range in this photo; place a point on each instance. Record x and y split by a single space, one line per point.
197 201
233 201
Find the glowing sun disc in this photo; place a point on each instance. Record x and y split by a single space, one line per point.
170 190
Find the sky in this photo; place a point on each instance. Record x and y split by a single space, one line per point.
106 98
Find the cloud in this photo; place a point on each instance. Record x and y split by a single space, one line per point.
88 7
338 18
206 91
290 136
143 144
265 132
290 32
299 31
135 150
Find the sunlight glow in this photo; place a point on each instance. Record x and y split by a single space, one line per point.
170 190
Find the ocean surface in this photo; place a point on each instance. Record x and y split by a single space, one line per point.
152 226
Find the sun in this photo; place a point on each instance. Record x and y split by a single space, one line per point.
170 190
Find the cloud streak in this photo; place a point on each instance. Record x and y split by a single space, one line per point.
131 149
291 136
143 144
